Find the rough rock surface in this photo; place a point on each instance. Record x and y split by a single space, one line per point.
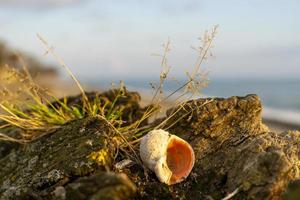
235 155
104 185
80 148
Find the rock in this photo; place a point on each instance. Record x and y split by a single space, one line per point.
5 146
235 153
219 118
236 156
102 186
80 148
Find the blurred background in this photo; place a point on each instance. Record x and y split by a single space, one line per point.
257 49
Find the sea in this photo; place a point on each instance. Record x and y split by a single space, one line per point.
280 98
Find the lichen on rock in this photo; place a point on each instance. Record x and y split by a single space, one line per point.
56 159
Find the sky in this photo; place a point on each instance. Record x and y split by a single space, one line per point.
116 39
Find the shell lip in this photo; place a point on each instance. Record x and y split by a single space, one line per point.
180 159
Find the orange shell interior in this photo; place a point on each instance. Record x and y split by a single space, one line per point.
180 160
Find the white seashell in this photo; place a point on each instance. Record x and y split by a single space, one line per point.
169 156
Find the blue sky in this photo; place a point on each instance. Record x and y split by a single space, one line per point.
115 39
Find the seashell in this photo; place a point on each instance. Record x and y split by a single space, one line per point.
169 156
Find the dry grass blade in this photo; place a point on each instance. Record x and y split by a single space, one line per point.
186 114
231 195
137 158
62 63
195 83
4 137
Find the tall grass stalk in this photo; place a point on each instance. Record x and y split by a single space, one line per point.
39 115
